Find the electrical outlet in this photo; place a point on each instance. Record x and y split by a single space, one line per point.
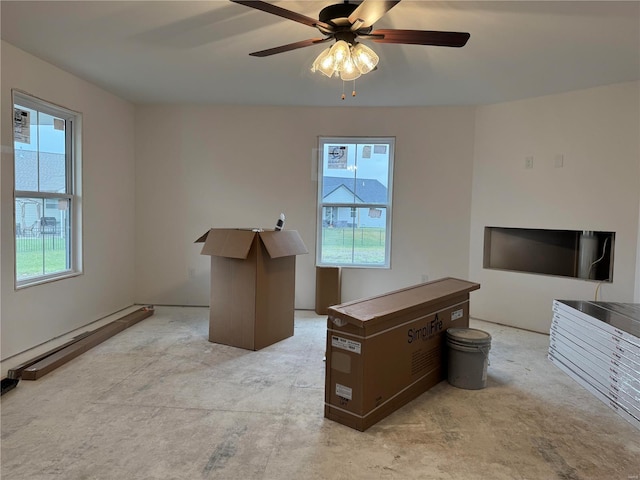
425 278
528 162
192 272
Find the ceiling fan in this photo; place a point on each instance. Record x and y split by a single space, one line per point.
348 21
344 22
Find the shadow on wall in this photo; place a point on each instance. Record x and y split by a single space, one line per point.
188 292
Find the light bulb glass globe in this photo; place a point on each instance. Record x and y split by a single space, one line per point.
349 71
364 58
340 53
324 63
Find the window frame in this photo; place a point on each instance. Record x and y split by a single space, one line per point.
72 186
388 206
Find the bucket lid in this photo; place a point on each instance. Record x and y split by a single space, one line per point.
469 336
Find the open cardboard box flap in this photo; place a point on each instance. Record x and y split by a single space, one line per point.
283 243
228 242
236 243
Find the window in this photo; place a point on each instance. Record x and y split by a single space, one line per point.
46 169
354 201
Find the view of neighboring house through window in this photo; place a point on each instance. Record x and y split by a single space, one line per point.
44 139
354 201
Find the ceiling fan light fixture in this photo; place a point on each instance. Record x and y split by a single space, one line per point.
364 58
345 61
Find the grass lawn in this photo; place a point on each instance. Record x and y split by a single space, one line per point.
353 245
40 256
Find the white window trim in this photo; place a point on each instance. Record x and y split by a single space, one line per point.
389 206
73 187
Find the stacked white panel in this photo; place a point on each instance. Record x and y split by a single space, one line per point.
598 345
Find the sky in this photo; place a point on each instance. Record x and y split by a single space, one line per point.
370 160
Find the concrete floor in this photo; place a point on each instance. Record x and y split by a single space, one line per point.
159 401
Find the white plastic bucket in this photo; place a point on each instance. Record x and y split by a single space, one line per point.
468 357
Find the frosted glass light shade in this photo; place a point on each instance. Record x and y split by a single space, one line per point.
364 58
340 53
349 70
324 63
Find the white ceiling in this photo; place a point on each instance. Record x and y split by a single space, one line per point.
197 51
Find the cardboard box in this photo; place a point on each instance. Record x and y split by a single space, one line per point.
328 288
384 351
252 285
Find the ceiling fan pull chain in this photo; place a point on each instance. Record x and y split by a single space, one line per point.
343 95
353 94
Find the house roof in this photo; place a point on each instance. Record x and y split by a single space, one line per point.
368 190
51 167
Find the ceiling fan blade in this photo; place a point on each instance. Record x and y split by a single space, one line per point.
420 37
369 12
282 12
290 46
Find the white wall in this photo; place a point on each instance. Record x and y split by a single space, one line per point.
597 189
199 167
34 315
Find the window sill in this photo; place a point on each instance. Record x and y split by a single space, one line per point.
43 280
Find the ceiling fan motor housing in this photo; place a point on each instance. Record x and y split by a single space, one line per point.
333 14
338 16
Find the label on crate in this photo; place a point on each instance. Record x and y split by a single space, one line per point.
346 344
456 314
344 392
